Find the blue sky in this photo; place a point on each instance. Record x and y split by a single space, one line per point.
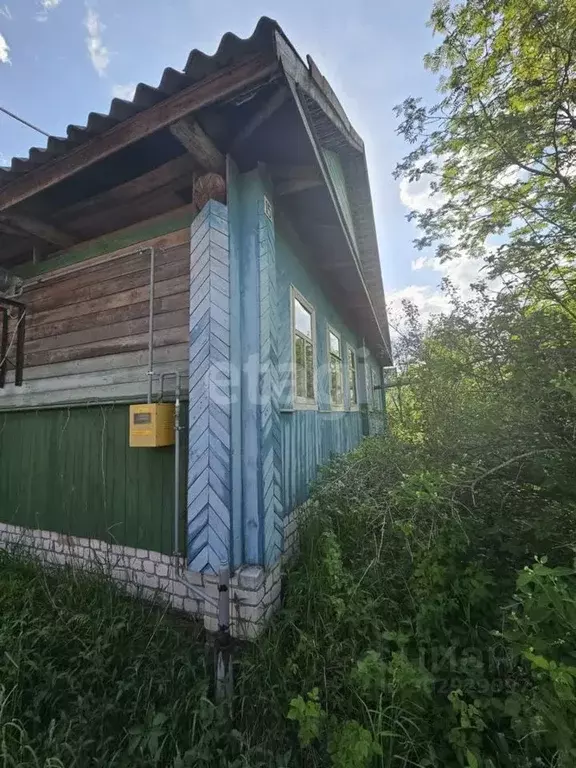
61 59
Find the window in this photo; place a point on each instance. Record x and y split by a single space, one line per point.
352 378
335 351
303 331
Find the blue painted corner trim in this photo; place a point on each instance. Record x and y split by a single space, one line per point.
209 462
270 436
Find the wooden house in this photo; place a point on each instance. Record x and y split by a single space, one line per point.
218 227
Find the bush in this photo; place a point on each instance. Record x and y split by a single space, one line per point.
406 630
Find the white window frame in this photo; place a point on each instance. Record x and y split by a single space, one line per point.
350 349
303 403
330 330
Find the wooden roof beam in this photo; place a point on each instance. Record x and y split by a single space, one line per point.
221 85
297 178
197 142
299 172
41 229
292 186
148 182
262 115
5 228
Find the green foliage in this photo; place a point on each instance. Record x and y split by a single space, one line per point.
542 629
499 147
309 716
89 677
348 743
352 746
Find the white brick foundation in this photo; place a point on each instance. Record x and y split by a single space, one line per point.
254 591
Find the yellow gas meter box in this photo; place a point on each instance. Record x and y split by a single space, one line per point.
152 425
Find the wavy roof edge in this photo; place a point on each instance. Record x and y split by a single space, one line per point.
198 66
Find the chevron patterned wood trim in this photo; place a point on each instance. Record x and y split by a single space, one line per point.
209 476
270 445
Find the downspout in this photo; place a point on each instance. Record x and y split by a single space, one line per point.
223 673
177 429
151 321
177 472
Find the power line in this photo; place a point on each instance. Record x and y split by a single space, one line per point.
24 122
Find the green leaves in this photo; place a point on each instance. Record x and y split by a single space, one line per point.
309 715
349 744
502 137
352 746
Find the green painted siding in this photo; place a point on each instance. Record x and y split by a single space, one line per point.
290 271
114 241
310 439
72 471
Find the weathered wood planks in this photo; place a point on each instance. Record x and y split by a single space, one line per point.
99 310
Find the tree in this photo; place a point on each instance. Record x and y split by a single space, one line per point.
500 146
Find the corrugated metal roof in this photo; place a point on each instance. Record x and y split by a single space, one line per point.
199 66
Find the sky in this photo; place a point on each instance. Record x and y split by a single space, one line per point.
61 59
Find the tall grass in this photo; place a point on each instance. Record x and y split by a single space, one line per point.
417 629
90 677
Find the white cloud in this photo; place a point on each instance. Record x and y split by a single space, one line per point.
508 176
47 6
419 195
426 298
4 51
462 271
99 53
5 11
125 92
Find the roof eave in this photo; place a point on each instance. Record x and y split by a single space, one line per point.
310 81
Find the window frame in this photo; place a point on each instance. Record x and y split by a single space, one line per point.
330 330
298 402
376 401
350 349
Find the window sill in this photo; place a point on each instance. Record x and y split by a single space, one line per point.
305 406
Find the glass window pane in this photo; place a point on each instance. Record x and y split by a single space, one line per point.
353 391
352 377
334 344
309 371
335 381
302 319
351 360
300 362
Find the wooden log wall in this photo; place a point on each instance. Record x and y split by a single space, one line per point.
87 327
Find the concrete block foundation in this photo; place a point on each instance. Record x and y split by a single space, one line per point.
255 591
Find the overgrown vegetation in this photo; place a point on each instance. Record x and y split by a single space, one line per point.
89 677
430 618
